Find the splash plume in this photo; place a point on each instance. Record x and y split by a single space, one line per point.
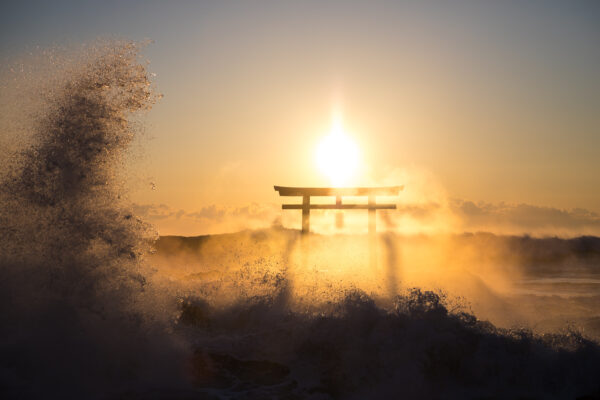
73 281
248 315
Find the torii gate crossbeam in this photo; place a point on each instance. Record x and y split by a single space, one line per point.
369 192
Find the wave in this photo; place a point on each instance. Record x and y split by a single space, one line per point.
74 292
411 347
83 314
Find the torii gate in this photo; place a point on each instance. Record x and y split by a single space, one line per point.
369 192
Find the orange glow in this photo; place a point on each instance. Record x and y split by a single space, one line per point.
338 156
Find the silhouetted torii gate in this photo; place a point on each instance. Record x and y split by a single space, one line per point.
369 192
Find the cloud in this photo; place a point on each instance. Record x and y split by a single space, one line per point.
153 212
420 211
524 218
209 219
453 215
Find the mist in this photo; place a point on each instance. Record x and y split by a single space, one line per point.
94 303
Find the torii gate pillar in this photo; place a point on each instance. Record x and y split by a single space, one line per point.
372 216
305 214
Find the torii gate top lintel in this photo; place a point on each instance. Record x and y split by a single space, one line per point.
338 192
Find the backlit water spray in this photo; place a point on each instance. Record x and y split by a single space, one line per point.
83 315
77 315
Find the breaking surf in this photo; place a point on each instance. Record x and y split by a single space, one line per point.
86 313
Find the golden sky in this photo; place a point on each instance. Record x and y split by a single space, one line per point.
482 102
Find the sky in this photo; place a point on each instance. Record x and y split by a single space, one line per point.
486 108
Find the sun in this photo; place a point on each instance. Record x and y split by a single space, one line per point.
338 156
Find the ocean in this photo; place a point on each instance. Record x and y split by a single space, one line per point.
94 305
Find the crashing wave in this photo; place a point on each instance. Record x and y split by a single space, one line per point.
74 296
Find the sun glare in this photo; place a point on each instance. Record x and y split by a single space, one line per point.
338 156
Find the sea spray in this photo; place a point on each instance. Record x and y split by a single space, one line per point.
80 318
415 348
333 337
77 314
